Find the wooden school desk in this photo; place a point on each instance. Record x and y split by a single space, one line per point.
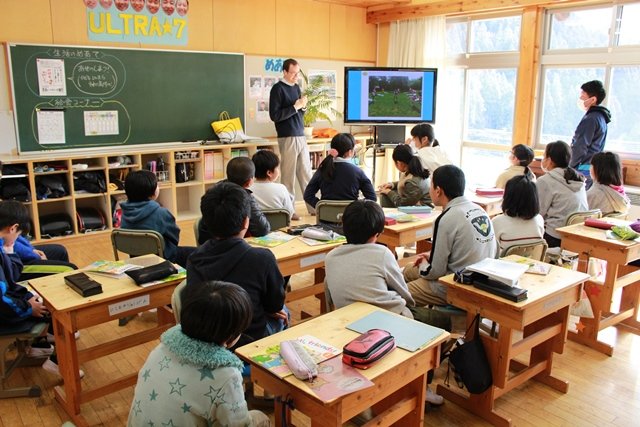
592 242
403 233
399 378
71 312
295 256
492 205
537 324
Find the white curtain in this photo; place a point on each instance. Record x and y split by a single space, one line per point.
417 42
422 43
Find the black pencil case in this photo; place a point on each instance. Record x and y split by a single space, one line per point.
83 284
151 273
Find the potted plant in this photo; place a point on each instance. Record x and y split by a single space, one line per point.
319 103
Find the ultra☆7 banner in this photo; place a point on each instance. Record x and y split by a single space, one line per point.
138 21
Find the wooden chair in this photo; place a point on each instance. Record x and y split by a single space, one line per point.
580 217
278 218
331 210
196 228
619 215
176 303
536 250
19 337
136 242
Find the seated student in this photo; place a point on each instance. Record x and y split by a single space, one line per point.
377 280
561 190
226 256
462 235
241 171
520 157
337 178
413 187
268 193
142 212
431 155
362 270
17 304
47 256
191 375
607 192
521 222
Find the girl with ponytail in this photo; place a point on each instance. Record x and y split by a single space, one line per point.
337 178
561 190
413 186
520 157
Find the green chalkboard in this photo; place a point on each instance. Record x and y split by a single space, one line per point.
77 97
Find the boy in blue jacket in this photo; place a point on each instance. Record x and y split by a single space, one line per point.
142 212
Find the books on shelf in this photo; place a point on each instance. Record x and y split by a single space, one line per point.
218 165
208 165
506 272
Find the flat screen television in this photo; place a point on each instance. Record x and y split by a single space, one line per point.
390 95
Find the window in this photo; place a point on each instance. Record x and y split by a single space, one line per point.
584 44
478 88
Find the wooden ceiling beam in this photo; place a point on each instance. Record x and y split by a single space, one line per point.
377 15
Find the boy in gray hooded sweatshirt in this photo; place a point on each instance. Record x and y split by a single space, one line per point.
561 190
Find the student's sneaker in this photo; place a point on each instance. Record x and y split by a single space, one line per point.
433 398
51 339
40 349
51 366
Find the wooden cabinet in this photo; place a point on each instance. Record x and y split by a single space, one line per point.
184 174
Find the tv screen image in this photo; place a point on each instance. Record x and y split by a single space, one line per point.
390 95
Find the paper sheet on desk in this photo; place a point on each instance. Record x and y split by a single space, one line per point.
336 379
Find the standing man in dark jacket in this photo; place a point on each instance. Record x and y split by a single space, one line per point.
591 133
286 108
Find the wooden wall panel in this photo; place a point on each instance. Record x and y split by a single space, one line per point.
350 36
26 21
384 30
302 29
247 26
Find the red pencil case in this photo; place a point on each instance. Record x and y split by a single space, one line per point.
598 223
366 349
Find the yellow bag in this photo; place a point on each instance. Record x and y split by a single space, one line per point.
228 129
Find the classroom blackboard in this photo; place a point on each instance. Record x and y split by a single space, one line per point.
71 97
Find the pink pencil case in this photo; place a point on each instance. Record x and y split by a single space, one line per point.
598 223
298 360
366 349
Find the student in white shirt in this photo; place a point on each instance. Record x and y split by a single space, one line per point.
429 151
520 157
521 222
268 193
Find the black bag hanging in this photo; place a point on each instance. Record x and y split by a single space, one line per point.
470 360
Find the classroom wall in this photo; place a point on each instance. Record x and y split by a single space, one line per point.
291 28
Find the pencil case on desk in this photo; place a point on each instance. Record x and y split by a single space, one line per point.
83 284
366 349
298 360
151 273
598 223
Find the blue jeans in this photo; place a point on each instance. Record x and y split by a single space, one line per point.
275 325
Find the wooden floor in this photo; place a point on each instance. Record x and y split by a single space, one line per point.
604 391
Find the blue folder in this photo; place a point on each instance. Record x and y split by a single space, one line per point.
409 334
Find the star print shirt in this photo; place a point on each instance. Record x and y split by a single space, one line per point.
186 382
